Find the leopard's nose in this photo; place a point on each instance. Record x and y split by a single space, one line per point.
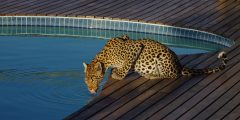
92 91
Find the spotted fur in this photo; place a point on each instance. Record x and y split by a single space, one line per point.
149 58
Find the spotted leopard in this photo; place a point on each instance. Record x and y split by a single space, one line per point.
149 58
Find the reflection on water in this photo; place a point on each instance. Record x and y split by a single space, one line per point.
75 74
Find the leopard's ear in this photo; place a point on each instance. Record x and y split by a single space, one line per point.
125 37
98 66
85 66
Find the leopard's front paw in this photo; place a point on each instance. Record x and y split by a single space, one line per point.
116 76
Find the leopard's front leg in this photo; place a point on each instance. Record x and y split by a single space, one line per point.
118 74
131 55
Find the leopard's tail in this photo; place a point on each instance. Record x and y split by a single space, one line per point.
222 56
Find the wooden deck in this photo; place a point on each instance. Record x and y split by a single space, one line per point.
215 96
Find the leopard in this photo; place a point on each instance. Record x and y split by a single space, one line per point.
149 58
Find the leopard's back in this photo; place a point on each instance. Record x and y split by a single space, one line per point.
117 52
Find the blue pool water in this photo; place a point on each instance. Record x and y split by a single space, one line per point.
42 77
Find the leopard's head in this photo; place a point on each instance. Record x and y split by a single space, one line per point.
94 74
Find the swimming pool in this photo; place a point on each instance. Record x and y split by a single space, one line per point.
41 73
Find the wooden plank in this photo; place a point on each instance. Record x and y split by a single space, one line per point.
50 6
114 13
115 86
6 2
161 7
112 7
91 7
227 22
139 8
191 14
21 6
111 82
234 113
148 10
231 28
133 7
184 10
15 5
67 6
227 97
4 7
52 10
222 18
193 95
156 11
77 8
101 7
175 11
33 7
204 13
195 14
211 94
169 9
235 35
213 15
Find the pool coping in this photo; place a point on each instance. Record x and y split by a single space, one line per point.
107 23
